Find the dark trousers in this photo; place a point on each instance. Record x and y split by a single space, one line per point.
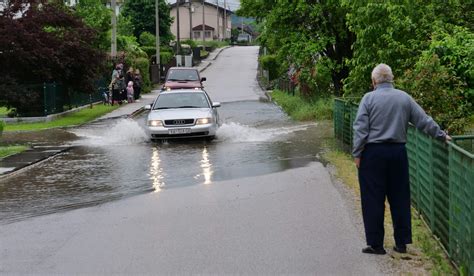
383 172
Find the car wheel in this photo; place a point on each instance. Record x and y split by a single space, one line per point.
210 138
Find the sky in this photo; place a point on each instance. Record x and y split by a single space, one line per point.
232 4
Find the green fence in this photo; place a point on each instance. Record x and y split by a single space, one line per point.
286 85
461 191
441 182
345 111
58 98
53 98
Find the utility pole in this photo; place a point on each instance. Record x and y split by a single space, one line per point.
157 33
218 33
177 25
113 50
190 19
203 21
225 19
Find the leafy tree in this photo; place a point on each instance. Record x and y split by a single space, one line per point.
141 14
304 32
147 39
430 55
97 16
443 76
46 43
388 32
124 26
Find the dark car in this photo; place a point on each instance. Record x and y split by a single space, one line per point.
183 78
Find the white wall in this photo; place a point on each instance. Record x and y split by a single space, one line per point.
210 13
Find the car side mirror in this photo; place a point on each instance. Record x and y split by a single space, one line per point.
203 79
147 107
216 104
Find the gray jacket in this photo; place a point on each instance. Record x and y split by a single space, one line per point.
383 117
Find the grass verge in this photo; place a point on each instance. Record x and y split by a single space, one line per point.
3 111
302 110
425 254
10 150
72 119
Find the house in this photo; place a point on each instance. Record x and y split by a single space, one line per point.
217 20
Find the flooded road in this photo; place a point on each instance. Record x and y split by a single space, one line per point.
114 159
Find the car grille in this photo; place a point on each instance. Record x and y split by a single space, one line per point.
194 134
179 122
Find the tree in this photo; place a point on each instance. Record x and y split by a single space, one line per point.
44 41
388 32
430 47
305 33
97 16
141 14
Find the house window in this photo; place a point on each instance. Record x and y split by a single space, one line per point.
197 35
208 34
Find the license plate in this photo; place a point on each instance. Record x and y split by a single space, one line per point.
179 131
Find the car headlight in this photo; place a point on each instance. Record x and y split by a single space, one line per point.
203 121
155 123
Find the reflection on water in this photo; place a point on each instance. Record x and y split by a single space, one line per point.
113 159
206 166
156 172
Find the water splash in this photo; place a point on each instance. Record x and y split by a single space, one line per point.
122 132
235 132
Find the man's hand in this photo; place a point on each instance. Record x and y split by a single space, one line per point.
357 162
448 138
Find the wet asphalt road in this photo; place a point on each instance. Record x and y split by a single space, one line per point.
256 200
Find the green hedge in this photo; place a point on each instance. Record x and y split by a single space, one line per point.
143 65
166 57
270 63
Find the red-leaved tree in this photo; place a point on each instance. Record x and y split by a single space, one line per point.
43 41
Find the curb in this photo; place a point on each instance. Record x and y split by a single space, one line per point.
36 161
220 51
214 58
136 112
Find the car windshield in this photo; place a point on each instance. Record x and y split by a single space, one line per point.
183 75
181 100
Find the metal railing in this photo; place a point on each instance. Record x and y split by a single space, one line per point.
286 85
441 182
53 98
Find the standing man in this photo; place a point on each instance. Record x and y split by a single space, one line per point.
380 131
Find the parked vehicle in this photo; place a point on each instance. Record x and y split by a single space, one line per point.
186 113
183 78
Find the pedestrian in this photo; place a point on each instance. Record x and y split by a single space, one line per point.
137 84
380 131
117 89
130 75
130 92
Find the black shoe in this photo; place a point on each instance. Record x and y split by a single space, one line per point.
374 250
400 248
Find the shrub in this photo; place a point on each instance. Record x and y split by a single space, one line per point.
143 65
149 50
303 110
147 39
270 63
166 57
439 92
442 78
190 42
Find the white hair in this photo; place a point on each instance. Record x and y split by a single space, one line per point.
382 73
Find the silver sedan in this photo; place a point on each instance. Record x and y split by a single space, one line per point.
183 114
